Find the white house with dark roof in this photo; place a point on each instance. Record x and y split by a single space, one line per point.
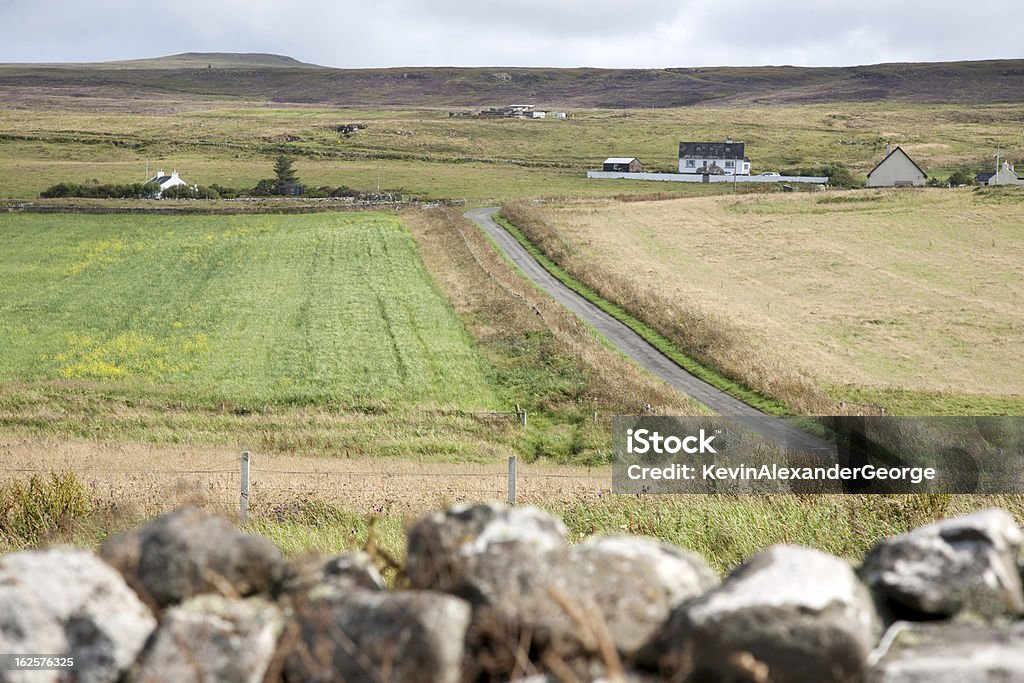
897 169
1005 176
713 158
166 182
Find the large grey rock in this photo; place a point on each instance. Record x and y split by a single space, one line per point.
681 575
213 639
444 546
348 570
187 553
513 566
527 585
70 603
360 635
950 653
788 614
509 563
966 564
635 583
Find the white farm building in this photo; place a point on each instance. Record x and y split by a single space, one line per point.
1005 176
897 169
713 158
166 182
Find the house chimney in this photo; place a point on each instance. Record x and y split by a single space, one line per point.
160 173
174 173
888 148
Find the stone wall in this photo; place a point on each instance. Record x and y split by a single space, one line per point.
494 593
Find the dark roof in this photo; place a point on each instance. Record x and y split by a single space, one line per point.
160 180
711 150
983 177
900 150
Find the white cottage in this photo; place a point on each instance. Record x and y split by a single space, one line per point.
166 182
897 169
713 158
1005 176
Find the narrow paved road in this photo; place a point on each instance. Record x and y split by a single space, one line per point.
641 352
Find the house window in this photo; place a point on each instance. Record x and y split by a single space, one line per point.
730 164
690 163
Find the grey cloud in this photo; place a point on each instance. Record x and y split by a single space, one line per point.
608 33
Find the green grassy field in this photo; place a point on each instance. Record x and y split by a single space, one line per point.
323 310
332 334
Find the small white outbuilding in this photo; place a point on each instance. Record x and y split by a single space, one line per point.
897 169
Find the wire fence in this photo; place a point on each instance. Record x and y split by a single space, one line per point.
239 484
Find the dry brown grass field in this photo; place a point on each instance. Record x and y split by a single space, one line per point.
149 479
329 505
912 300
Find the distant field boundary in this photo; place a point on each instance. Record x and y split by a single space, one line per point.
701 178
199 207
651 336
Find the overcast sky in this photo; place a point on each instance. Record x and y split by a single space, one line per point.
606 33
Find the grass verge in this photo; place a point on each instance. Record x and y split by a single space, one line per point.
725 530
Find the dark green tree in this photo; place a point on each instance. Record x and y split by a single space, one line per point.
961 177
284 174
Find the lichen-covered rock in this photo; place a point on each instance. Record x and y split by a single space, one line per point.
790 614
947 652
444 546
682 575
187 553
635 583
523 580
348 570
511 564
211 638
966 564
353 636
69 603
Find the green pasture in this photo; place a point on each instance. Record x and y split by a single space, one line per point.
325 310
426 153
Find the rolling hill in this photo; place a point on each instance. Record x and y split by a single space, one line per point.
280 79
202 60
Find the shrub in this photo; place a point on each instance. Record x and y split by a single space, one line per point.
961 176
344 192
187 192
94 190
30 511
226 192
264 188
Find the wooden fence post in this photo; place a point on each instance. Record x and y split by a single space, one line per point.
244 511
512 480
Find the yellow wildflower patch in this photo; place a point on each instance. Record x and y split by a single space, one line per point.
102 253
130 354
